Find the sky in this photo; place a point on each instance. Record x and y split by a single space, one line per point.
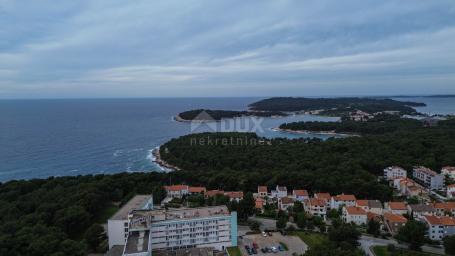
124 48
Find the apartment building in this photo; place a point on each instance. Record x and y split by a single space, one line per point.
439 227
451 191
300 194
420 210
152 230
342 200
117 225
285 202
262 191
394 172
399 208
373 206
445 209
316 207
324 196
354 214
394 222
448 171
279 192
428 178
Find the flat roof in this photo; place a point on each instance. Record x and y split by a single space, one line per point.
137 202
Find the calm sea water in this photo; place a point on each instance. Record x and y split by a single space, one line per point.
41 138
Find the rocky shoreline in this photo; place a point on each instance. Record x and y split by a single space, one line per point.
161 163
332 133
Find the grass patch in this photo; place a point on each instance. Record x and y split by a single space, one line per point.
382 251
107 213
311 239
285 246
234 251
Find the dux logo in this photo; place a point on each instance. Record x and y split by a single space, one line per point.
204 122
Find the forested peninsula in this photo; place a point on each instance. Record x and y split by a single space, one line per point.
216 115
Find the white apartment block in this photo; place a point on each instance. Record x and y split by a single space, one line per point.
449 171
177 191
300 195
394 172
342 200
356 215
316 207
280 192
429 178
117 225
439 227
451 191
149 230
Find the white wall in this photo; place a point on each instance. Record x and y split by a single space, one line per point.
116 232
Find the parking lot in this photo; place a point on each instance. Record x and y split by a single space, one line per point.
293 243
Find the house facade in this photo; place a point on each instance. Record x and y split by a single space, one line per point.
316 207
439 227
354 214
342 200
300 195
394 172
428 178
394 222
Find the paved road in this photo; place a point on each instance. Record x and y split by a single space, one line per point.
366 242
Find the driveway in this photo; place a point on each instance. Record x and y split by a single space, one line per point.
294 244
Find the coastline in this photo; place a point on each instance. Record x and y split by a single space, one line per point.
163 165
332 133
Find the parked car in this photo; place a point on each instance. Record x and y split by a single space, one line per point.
264 234
280 248
255 246
269 233
283 232
274 249
263 250
254 251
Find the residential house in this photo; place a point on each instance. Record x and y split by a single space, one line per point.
420 210
448 171
342 200
197 190
234 195
285 202
280 192
262 191
354 214
212 193
360 116
177 191
324 196
446 208
394 172
429 178
316 207
300 194
259 204
439 227
373 206
396 208
408 187
394 222
451 191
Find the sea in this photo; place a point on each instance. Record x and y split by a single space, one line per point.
42 138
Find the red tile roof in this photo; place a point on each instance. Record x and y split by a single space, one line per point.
234 194
444 220
362 202
344 197
397 206
394 218
286 200
197 189
451 186
176 187
300 192
262 189
325 196
447 206
317 202
354 210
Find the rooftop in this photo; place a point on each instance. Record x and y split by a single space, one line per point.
137 202
425 170
354 210
444 220
196 189
317 201
395 168
344 197
262 189
137 242
362 202
394 217
287 200
281 188
176 187
448 206
325 196
421 208
449 168
397 206
300 192
234 194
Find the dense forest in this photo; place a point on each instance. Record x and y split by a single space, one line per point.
207 114
335 105
378 125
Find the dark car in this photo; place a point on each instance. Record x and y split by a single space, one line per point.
283 232
263 250
254 251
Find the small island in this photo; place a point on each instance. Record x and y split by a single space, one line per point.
217 115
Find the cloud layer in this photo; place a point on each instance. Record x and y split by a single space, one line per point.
59 49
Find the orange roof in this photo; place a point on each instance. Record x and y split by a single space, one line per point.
354 210
344 197
317 201
394 218
446 221
259 203
286 200
176 187
234 194
451 186
197 189
397 206
300 192
211 193
445 206
371 215
325 196
262 189
362 202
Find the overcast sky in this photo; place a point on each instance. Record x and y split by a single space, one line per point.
61 49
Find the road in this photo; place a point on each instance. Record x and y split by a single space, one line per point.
366 242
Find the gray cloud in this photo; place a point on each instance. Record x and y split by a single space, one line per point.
236 48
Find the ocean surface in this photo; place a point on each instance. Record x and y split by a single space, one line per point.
42 138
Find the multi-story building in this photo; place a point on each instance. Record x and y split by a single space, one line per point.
151 230
420 210
262 191
439 227
259 204
373 206
285 202
300 194
177 191
448 171
394 222
234 195
354 214
280 192
445 209
316 207
427 177
117 225
399 208
394 172
451 191
342 200
197 190
324 196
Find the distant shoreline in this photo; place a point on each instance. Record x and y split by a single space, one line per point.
333 133
165 166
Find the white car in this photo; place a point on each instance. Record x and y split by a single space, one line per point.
274 249
264 234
